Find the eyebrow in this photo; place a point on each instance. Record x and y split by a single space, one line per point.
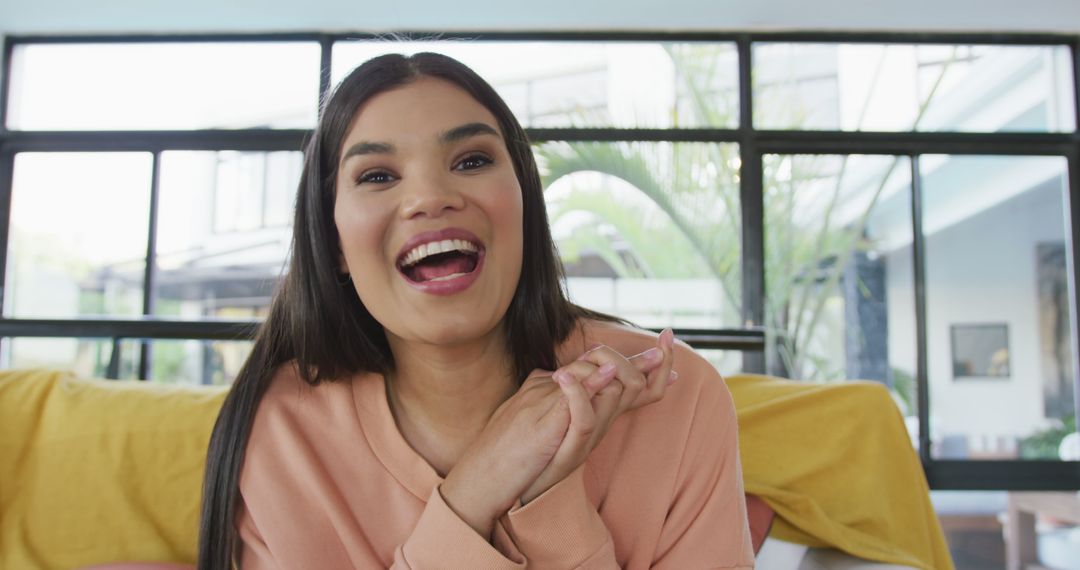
465 131
450 136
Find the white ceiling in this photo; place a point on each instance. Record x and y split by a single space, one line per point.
153 16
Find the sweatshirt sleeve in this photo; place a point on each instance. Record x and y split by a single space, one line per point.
706 526
561 529
442 539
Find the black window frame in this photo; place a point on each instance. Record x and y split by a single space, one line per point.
753 144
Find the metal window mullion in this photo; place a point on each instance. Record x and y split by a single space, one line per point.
1072 263
1075 52
839 37
178 38
918 257
906 143
254 140
7 166
995 475
974 38
150 274
7 174
770 141
751 197
136 328
221 330
746 87
5 81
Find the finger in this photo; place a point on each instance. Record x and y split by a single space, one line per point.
582 418
632 379
538 388
648 360
662 376
606 407
592 377
644 361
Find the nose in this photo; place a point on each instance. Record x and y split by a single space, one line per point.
431 195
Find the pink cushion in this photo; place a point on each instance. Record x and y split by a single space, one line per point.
761 517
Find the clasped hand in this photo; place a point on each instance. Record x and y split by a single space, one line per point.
549 426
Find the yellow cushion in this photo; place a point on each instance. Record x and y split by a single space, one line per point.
836 464
96 471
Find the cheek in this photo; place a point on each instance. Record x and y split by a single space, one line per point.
360 231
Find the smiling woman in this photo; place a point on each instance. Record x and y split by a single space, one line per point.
423 395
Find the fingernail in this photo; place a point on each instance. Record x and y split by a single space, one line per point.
672 377
653 355
561 377
667 338
607 369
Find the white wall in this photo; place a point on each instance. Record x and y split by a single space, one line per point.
981 270
102 16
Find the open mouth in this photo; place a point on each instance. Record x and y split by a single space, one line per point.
439 260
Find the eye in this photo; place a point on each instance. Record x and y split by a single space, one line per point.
473 161
374 177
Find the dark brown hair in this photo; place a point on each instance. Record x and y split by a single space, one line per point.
316 318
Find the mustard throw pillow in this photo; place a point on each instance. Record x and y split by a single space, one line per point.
96 471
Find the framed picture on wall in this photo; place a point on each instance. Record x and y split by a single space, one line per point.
980 351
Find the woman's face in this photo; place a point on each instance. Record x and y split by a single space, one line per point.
429 212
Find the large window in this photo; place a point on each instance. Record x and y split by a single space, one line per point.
880 207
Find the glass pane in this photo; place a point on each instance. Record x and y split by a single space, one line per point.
164 86
838 271
86 358
648 231
172 361
78 234
861 87
223 231
590 84
726 362
1000 347
197 361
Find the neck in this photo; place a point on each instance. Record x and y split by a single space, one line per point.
442 396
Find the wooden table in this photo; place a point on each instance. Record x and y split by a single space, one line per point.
1020 538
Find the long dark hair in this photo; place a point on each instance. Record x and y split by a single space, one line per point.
316 318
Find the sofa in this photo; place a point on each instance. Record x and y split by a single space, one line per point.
99 472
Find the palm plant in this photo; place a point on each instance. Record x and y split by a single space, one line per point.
686 221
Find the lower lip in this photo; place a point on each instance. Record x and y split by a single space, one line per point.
449 286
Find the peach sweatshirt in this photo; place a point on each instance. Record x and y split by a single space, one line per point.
329 482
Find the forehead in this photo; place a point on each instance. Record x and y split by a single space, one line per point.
418 111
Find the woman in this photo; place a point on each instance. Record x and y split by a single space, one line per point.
422 394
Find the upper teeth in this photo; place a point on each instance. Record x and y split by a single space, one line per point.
432 248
